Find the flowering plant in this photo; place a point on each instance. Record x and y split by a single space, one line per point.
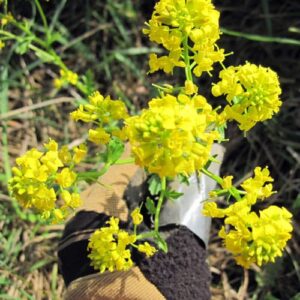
170 139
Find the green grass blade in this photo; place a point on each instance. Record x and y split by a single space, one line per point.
261 38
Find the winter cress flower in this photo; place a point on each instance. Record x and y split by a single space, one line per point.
106 113
174 135
185 27
253 237
252 93
40 177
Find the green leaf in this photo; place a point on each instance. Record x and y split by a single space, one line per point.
43 55
23 46
161 243
114 151
150 206
154 183
183 179
172 194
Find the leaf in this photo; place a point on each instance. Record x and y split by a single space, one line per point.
183 179
150 206
114 150
154 185
43 55
161 243
173 195
22 47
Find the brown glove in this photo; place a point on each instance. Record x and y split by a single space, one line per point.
182 273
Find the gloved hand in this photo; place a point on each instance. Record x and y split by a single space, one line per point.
182 273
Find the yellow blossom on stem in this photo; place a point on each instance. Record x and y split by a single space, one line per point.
256 187
252 93
6 19
137 217
251 237
227 182
71 200
108 114
79 153
109 248
186 29
147 249
39 178
190 88
66 77
99 136
66 178
173 136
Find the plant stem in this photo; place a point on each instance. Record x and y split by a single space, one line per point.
188 69
125 161
41 12
159 204
92 175
146 235
216 178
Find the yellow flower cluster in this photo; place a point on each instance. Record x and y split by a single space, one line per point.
251 237
106 113
110 250
6 19
38 172
189 24
252 92
174 136
66 77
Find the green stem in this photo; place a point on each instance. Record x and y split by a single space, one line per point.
92 175
125 161
188 69
41 12
5 7
216 178
3 110
146 235
159 204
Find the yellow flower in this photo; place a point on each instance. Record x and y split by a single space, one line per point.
252 93
34 184
66 178
65 155
147 249
6 19
58 83
258 239
256 188
99 136
66 76
71 200
227 182
108 114
251 237
190 88
175 22
137 217
173 136
210 209
79 153
108 246
51 161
